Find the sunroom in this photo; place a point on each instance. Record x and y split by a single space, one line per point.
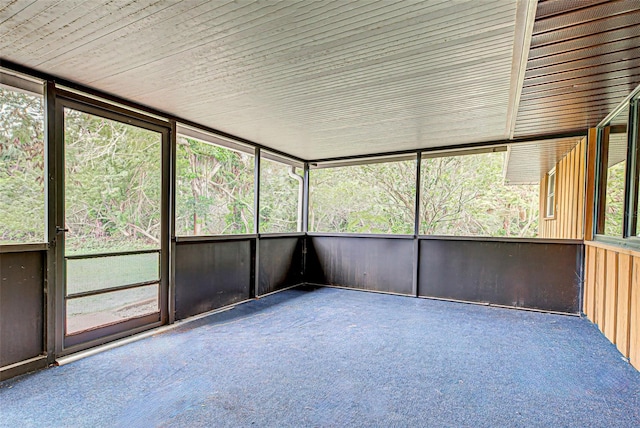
319 213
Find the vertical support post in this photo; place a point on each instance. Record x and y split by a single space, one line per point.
305 219
51 204
59 222
602 159
416 227
305 199
165 227
416 222
256 191
590 185
171 213
256 222
633 173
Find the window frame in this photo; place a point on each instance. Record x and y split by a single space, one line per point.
278 159
414 158
28 85
206 137
549 194
627 237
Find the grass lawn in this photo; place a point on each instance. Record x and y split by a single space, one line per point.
106 272
113 271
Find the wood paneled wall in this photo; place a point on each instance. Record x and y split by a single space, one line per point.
612 296
568 221
612 279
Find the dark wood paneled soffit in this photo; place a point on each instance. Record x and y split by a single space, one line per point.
584 59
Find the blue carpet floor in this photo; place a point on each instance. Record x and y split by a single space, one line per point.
334 358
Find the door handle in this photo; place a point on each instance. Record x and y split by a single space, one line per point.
61 229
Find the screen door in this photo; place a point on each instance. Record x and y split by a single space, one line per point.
111 240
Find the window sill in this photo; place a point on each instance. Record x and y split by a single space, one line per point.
632 243
22 248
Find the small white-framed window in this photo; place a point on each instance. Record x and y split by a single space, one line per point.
551 194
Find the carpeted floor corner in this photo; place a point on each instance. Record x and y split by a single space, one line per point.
335 358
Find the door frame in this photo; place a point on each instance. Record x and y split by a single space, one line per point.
64 345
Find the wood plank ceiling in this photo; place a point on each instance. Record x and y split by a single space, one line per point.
528 162
315 79
323 79
584 59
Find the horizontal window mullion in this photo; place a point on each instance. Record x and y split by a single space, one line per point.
111 289
100 255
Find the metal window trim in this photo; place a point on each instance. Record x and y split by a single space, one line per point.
170 210
278 235
409 156
602 148
112 289
21 83
506 239
102 109
214 238
113 103
218 140
415 274
631 243
114 254
280 159
102 334
578 133
632 169
624 103
305 198
468 152
364 161
358 235
23 248
254 287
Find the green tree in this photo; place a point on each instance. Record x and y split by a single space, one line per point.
372 198
461 195
113 188
279 197
466 195
21 167
214 189
614 200
112 184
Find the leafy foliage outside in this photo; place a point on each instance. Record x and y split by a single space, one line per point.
214 189
215 192
461 195
279 197
617 146
373 198
113 188
113 185
21 168
614 200
466 196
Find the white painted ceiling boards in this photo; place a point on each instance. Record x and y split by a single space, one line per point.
330 78
316 79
